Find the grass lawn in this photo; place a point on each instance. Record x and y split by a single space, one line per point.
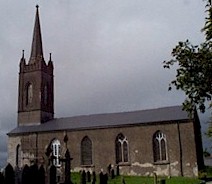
140 180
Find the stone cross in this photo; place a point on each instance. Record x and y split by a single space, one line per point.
67 161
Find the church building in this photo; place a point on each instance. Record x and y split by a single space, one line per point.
165 141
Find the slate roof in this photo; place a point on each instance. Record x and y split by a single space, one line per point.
110 120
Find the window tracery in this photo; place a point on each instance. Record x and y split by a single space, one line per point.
56 152
122 149
159 147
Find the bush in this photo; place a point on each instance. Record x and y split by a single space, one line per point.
202 174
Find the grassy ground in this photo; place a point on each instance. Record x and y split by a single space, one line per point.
140 180
209 171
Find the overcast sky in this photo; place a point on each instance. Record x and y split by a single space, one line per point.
107 54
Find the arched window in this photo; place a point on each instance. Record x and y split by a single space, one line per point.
56 152
29 94
86 151
159 147
122 150
18 155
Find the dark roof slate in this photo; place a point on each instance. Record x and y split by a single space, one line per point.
95 121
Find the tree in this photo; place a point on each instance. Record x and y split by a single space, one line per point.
194 74
206 153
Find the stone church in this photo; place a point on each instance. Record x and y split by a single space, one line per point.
165 141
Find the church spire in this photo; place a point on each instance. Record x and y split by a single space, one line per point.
36 84
37 49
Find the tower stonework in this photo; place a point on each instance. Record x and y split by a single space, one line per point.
36 83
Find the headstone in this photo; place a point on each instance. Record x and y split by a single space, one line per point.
9 177
33 174
41 175
25 175
1 178
67 167
88 174
155 178
67 161
123 181
83 177
117 170
112 174
17 175
52 177
101 178
109 169
162 181
105 178
94 177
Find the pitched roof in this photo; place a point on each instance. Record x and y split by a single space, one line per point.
95 121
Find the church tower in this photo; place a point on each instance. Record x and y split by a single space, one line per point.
36 83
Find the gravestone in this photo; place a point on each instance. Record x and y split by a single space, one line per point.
94 177
123 181
105 178
67 161
52 173
109 169
88 174
112 174
117 170
1 178
101 178
33 174
67 167
83 177
41 175
9 177
25 175
17 175
155 178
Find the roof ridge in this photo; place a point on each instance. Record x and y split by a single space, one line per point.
120 112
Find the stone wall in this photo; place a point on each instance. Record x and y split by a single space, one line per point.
182 159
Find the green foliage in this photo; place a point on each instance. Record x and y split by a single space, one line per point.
150 180
194 75
205 173
206 153
208 170
140 180
208 23
202 174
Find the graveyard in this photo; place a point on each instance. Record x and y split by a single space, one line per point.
35 174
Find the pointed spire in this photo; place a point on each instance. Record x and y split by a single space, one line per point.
22 62
50 63
22 54
50 56
37 49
